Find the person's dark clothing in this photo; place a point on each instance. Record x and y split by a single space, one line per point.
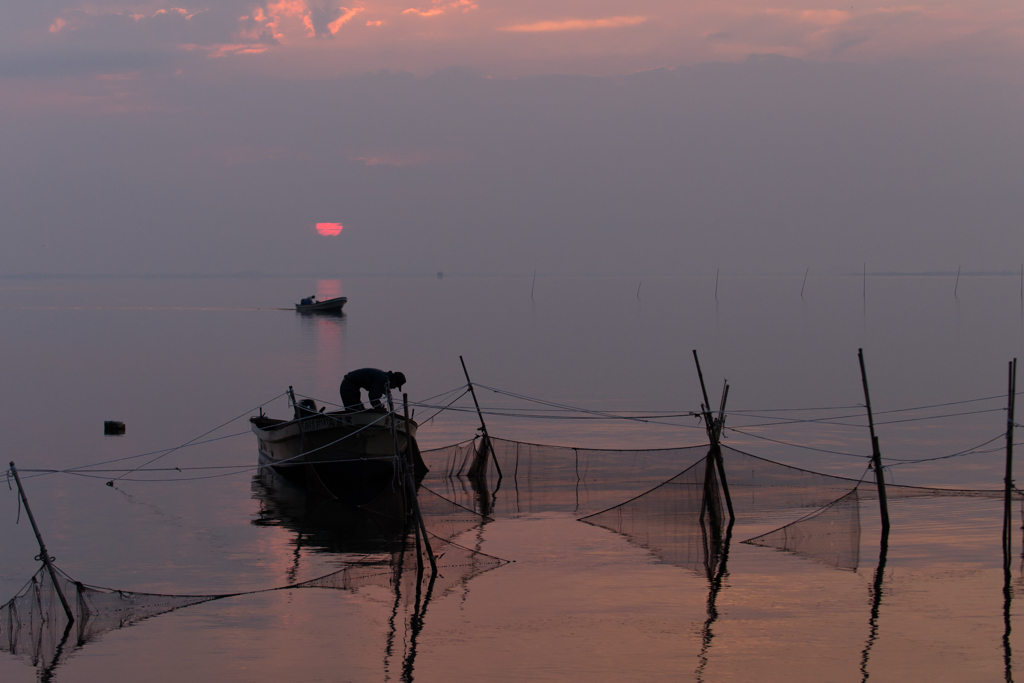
373 380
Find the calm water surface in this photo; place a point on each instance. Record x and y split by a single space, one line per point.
176 358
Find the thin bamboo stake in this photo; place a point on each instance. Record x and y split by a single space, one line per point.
421 527
714 429
876 455
483 425
805 283
44 555
957 285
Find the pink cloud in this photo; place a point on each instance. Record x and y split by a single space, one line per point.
574 25
226 49
287 21
440 8
346 16
822 17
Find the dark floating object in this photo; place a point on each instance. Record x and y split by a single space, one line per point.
310 305
113 428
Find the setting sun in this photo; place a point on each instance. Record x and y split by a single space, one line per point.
329 229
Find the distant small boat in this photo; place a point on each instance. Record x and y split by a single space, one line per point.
329 306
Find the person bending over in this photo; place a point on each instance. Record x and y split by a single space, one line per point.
376 382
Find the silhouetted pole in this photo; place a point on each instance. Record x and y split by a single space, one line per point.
714 428
1008 523
483 425
1008 479
876 455
43 554
421 527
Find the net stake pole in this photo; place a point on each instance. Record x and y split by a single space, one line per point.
43 553
876 455
479 413
421 527
1008 479
718 454
714 434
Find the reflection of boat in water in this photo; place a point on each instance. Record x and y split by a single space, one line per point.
322 524
357 458
329 306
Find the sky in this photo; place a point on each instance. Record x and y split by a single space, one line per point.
476 137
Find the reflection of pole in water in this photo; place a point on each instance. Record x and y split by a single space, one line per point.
716 578
46 675
1008 521
389 643
484 497
416 625
1007 601
876 603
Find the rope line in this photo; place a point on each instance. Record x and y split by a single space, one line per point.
205 434
795 445
969 451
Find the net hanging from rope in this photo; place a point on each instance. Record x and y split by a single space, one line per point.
681 521
538 478
809 514
830 534
35 627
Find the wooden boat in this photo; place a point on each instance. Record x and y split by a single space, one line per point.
360 458
329 306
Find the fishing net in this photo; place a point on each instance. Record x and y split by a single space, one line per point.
805 513
681 521
830 534
445 518
34 625
535 478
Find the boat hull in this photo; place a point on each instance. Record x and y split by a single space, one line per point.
348 456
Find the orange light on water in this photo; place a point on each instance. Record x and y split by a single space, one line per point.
329 229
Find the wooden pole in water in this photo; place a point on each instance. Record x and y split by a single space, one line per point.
876 455
805 283
421 527
714 428
483 425
718 453
957 285
532 287
717 272
1008 479
43 553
